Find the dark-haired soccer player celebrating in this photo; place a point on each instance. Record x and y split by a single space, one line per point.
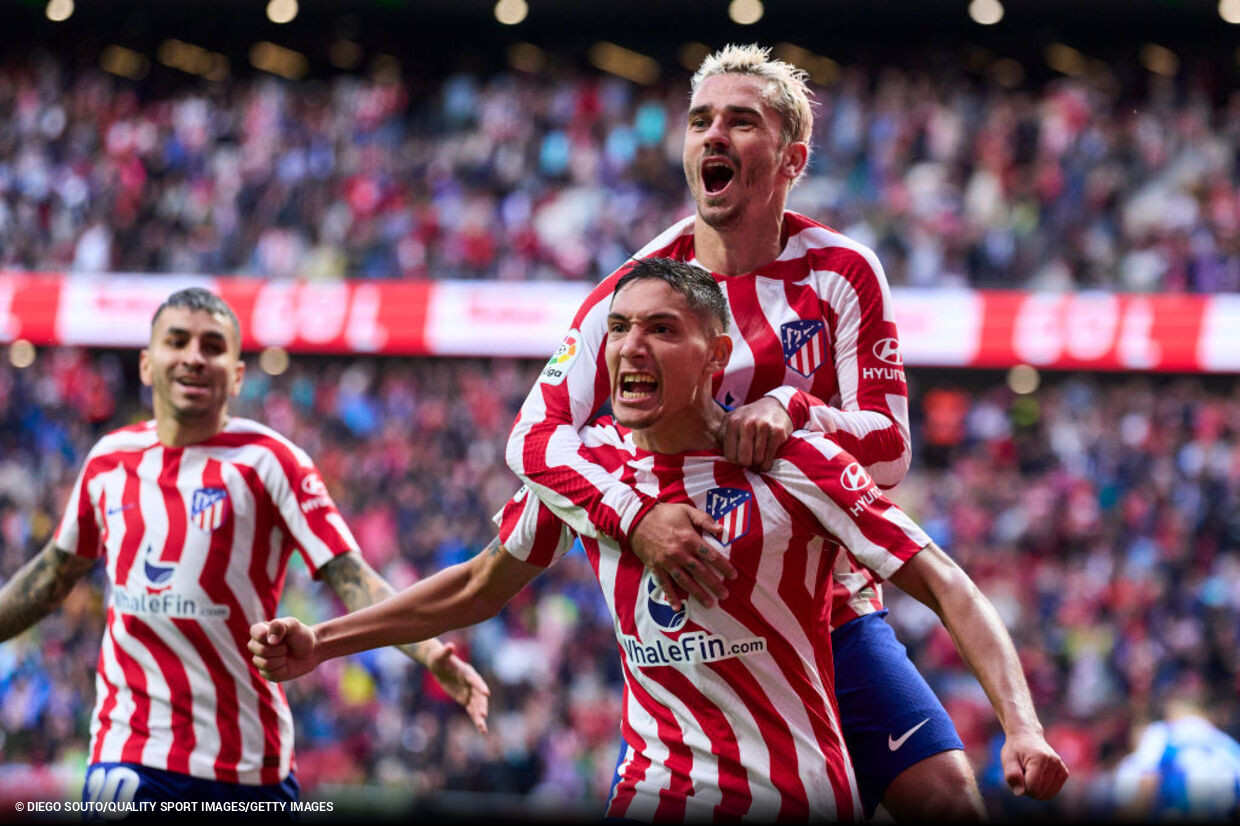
729 709
195 514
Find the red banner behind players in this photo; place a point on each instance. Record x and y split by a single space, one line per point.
954 328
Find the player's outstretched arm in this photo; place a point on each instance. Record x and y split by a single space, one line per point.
38 588
455 597
358 585
1031 767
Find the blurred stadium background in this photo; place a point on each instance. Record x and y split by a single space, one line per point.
405 200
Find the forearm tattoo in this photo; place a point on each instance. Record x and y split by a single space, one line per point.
358 586
38 588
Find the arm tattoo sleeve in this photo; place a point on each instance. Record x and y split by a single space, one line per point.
359 585
38 588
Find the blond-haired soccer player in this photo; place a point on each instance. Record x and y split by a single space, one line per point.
816 347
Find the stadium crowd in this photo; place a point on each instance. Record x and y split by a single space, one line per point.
953 179
1100 514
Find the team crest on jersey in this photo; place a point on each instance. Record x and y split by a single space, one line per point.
208 508
730 506
562 359
805 345
661 610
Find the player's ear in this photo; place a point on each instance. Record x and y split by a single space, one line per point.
237 378
146 370
720 352
795 156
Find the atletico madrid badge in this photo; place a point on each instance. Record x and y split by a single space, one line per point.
208 508
805 345
731 507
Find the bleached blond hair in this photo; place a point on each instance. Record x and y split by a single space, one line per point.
786 90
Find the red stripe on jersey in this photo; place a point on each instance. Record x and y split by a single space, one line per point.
784 766
748 318
180 692
135 681
736 797
132 515
174 501
227 717
638 762
213 581
679 762
266 516
109 699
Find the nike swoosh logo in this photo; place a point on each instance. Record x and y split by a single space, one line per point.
119 508
894 745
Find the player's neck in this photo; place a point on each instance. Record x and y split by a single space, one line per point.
736 250
691 429
173 432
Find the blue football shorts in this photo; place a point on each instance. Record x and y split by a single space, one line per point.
890 716
134 792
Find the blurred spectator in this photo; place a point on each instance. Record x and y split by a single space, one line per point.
954 180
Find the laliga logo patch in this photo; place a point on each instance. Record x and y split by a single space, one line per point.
562 359
661 611
854 477
888 350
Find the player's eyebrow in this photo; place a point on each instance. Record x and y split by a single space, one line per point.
731 109
647 317
209 334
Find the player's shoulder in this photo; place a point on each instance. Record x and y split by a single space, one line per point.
814 455
823 246
136 436
263 441
606 432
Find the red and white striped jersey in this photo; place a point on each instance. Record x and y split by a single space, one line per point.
730 711
196 540
815 324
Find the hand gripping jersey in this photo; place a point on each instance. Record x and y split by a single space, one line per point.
815 324
196 540
730 711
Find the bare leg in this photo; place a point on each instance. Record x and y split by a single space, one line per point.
940 788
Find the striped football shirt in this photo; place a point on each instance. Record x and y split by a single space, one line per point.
729 712
196 541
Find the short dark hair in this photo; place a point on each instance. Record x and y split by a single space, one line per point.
198 298
698 286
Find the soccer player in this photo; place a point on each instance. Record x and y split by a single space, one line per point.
812 322
1183 769
195 514
728 709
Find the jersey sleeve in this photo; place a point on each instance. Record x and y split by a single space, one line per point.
545 448
845 502
871 421
531 532
79 532
308 511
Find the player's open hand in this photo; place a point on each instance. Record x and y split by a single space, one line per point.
1031 767
752 434
283 648
669 540
462 683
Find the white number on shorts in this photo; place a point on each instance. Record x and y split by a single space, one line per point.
117 784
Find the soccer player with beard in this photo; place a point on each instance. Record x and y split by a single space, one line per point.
729 709
195 515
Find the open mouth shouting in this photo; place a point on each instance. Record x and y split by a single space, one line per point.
638 386
717 173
